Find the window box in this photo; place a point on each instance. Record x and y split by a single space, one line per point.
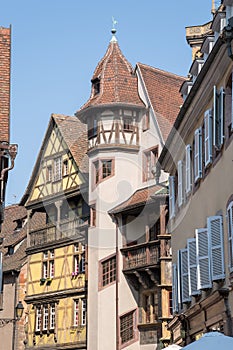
49 280
74 274
42 280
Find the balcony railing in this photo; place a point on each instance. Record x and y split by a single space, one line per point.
58 231
141 256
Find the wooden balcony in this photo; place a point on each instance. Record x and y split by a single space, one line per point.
141 263
58 232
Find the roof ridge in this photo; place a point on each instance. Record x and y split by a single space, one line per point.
160 70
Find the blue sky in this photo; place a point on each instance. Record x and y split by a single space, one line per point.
56 45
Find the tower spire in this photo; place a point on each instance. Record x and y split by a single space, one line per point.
113 31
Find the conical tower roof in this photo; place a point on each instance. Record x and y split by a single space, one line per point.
113 81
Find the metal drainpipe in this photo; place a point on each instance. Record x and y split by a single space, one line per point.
14 322
117 287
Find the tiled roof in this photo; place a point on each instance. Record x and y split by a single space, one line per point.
163 91
118 83
15 237
139 198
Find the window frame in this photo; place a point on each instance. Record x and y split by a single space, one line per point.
150 157
132 327
57 163
110 280
48 264
98 170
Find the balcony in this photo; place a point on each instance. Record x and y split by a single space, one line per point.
76 228
141 263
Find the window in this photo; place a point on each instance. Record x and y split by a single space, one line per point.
45 317
180 183
57 169
103 169
80 312
48 264
127 327
65 167
188 170
149 160
218 118
174 289
128 124
96 86
171 196
92 128
49 173
93 215
108 271
208 137
197 154
149 307
230 234
170 304
79 259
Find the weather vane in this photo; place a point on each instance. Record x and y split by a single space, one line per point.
114 22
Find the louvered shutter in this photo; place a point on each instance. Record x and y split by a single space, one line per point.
178 278
1 273
208 136
180 183
230 234
222 112
171 196
197 154
184 275
215 231
174 289
232 101
192 266
203 260
188 172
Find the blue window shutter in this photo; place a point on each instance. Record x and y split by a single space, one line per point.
174 289
184 275
180 182
192 266
218 118
208 136
188 170
222 114
197 154
203 259
171 196
215 231
230 234
178 267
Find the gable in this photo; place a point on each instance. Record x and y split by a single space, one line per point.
57 171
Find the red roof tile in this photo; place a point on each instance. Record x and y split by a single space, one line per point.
118 83
163 91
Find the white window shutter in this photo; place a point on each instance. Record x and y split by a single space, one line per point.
218 118
184 275
203 259
192 266
197 154
188 170
230 234
215 114
178 278
208 136
171 196
180 183
222 112
174 289
215 231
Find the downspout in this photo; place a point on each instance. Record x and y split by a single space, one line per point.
117 287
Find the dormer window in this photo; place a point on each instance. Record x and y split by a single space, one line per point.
96 86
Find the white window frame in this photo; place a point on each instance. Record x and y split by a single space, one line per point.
83 312
180 183
52 316
215 232
230 235
188 169
57 169
208 136
171 196
203 259
38 318
76 313
45 317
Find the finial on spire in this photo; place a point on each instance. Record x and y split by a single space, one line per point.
113 31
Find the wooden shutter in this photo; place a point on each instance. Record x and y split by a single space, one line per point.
203 259
188 172
215 231
192 266
230 234
208 136
171 196
180 183
174 289
184 275
197 154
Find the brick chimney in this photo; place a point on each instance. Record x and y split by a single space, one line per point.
5 68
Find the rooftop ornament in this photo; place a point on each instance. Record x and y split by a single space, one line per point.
113 31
